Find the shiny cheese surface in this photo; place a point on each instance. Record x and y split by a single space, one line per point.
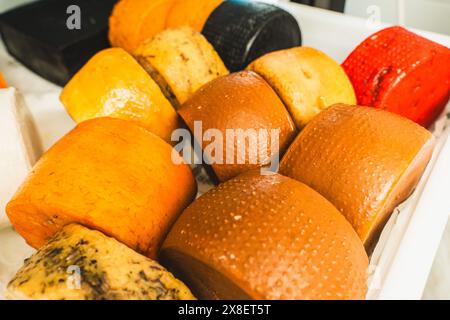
399 71
239 101
110 175
363 160
181 61
306 79
82 264
266 237
113 84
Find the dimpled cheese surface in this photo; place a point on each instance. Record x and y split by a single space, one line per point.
183 58
399 71
133 21
193 13
110 175
113 84
82 264
266 237
240 103
307 80
20 146
363 160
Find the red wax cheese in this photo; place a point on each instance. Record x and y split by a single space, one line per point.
401 72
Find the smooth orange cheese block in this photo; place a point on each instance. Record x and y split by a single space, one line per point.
3 83
307 80
113 84
107 174
266 237
192 13
363 160
133 21
240 103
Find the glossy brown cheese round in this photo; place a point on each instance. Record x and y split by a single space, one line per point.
266 237
365 161
239 103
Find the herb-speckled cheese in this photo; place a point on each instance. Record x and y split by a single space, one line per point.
78 263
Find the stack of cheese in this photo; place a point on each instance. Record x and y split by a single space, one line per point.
260 235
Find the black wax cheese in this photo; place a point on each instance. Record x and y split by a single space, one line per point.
44 35
242 31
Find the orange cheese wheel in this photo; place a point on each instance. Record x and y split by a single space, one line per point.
180 60
192 13
306 79
107 174
238 104
133 21
113 84
365 161
266 237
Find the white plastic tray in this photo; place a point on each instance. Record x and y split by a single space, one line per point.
404 255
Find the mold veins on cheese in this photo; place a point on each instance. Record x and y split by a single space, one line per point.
81 264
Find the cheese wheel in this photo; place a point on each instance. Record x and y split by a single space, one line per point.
365 161
180 61
192 13
20 146
242 31
53 38
307 80
399 71
82 264
235 109
107 174
113 84
266 237
133 21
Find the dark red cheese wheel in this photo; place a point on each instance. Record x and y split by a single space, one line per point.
401 72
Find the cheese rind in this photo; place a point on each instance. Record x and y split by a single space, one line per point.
266 237
183 58
20 146
364 160
108 174
82 264
113 84
307 80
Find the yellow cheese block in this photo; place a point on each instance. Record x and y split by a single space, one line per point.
82 264
113 84
307 80
108 174
133 21
193 13
181 61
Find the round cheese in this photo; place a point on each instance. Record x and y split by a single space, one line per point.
181 61
242 31
233 111
113 84
306 79
363 160
107 174
266 237
399 71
